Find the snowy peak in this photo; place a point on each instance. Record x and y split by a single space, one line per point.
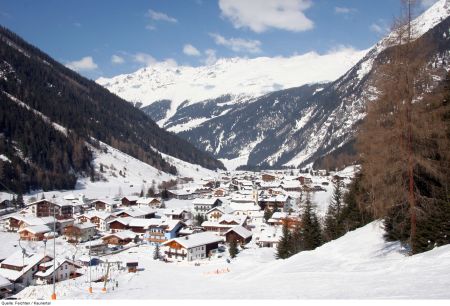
236 76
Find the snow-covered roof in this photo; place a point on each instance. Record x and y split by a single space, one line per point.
99 214
146 201
172 211
196 240
122 235
59 262
241 231
205 201
18 259
32 221
223 209
36 229
131 198
244 207
137 211
84 225
4 282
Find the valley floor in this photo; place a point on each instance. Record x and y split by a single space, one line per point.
359 265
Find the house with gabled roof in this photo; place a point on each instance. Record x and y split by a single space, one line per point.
239 234
193 247
19 268
202 205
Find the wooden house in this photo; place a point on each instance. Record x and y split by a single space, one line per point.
119 238
64 269
47 208
19 268
34 233
129 200
268 177
192 247
80 232
239 234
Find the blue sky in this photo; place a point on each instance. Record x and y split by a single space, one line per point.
110 37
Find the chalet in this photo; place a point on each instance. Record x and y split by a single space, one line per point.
151 202
304 180
192 247
224 223
278 201
268 240
105 205
80 232
46 208
63 269
97 247
99 218
119 238
249 209
239 234
215 213
268 177
269 185
129 200
202 205
277 218
34 233
163 230
186 231
119 224
19 268
220 192
5 204
137 212
182 194
6 288
175 214
292 186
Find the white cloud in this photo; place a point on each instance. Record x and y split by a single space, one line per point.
158 16
85 64
344 10
144 58
116 59
342 48
147 60
150 27
427 3
211 57
379 27
190 50
238 44
259 16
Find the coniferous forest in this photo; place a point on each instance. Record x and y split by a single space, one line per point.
42 157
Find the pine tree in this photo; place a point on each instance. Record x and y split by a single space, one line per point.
199 218
156 252
333 220
312 234
233 248
284 245
142 193
267 214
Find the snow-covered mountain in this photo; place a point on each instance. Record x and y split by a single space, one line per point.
293 126
239 77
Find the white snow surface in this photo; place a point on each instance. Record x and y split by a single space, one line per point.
235 76
359 265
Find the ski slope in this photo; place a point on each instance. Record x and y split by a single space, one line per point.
360 265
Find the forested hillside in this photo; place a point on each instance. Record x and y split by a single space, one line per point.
84 108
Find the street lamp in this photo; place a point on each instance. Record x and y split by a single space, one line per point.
53 297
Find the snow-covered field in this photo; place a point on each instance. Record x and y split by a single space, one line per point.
360 265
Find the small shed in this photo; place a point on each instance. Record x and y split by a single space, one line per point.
132 266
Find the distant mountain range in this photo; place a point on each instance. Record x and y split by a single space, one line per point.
234 111
49 114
